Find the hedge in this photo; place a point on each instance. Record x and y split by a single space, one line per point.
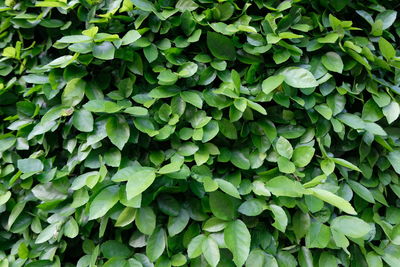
199 133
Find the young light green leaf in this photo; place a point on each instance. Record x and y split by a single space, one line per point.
386 49
346 164
195 247
271 83
334 200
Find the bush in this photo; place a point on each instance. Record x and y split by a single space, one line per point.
199 132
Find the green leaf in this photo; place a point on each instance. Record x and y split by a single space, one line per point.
223 206
126 217
227 129
299 77
102 106
237 239
333 62
327 259
285 165
183 5
30 165
388 17
187 69
346 164
240 160
285 259
210 130
103 202
252 207
386 49
104 51
171 167
221 46
193 98
374 259
83 120
145 220
318 236
49 232
137 111
371 111
156 244
114 249
352 120
195 247
164 91
144 5
73 39
334 200
167 77
151 53
271 83
130 37
177 224
361 191
257 257
303 155
391 112
6 142
5 197
73 92
283 186
210 251
139 182
284 148
391 255
280 218
214 225
118 131
350 226
228 188
394 159
324 110
71 228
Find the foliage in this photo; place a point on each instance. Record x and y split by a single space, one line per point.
199 132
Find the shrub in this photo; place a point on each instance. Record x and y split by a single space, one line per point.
195 132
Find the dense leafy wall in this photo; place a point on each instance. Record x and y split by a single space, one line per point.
195 132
